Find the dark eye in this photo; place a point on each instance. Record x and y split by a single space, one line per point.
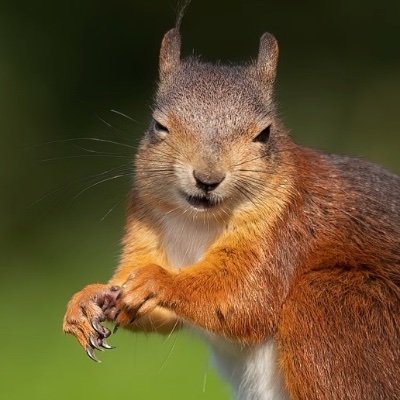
263 136
160 127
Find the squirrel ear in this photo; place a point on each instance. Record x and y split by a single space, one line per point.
170 52
268 57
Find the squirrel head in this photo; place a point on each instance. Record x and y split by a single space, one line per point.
215 143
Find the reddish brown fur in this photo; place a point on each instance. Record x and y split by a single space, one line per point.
313 260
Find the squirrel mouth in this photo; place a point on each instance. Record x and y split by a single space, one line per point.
200 202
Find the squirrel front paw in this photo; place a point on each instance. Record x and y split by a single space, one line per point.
86 312
144 290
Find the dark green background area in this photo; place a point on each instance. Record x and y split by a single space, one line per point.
63 67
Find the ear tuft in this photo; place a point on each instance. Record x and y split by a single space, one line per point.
170 52
268 57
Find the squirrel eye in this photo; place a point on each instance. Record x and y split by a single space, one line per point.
263 136
160 127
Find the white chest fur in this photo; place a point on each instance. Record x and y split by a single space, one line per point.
186 240
252 372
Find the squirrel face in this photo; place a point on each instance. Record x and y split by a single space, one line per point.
215 142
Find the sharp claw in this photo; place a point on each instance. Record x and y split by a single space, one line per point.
116 327
94 344
106 332
105 345
96 326
90 353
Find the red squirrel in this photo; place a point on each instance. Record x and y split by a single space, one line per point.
287 260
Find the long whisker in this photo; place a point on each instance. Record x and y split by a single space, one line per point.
104 121
169 352
85 138
252 179
243 192
79 180
123 115
110 210
154 170
82 156
91 151
98 183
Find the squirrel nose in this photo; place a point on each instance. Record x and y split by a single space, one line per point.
208 182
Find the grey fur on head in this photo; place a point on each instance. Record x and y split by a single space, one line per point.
212 98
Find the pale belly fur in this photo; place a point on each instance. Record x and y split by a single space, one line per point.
252 372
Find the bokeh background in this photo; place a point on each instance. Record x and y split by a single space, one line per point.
64 65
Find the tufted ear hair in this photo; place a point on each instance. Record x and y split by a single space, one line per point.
268 57
170 52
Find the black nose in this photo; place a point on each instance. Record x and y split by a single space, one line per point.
207 181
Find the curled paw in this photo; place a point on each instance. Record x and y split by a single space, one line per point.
85 314
145 289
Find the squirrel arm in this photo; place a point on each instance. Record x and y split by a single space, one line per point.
235 291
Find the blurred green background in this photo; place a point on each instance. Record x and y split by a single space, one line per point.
63 67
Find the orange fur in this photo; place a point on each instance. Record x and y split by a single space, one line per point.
307 249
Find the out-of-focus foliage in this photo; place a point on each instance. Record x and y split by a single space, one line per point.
63 67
